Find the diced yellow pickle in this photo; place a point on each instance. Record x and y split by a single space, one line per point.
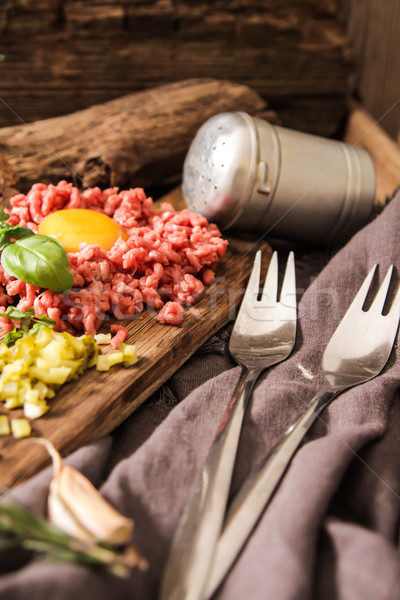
92 362
34 411
4 350
57 351
11 403
129 354
32 369
20 428
41 388
76 344
44 336
102 338
9 388
105 361
74 365
43 364
22 394
58 375
14 369
32 396
23 348
4 425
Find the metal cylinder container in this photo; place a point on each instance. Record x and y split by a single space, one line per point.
245 174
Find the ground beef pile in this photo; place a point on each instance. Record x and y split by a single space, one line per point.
163 265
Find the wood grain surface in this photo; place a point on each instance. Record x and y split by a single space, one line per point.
98 402
362 130
59 56
142 137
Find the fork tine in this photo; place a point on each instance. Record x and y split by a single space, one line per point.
359 300
270 289
253 285
288 291
394 312
380 298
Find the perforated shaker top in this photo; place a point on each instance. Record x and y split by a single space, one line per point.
218 171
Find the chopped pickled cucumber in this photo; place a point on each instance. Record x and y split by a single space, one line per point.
33 410
102 338
48 374
20 428
4 425
129 357
34 368
125 354
105 361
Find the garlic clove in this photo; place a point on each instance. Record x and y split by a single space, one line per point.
77 507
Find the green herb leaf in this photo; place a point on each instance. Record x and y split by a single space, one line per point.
39 260
18 315
7 231
36 259
15 232
27 318
3 215
35 328
44 320
12 336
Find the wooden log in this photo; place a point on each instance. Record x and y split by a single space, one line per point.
58 57
136 140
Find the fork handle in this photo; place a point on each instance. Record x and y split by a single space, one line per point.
259 487
194 544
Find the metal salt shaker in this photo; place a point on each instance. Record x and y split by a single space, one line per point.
245 174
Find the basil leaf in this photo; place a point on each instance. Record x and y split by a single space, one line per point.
28 315
12 336
35 328
27 318
37 325
43 320
3 215
17 314
15 232
39 260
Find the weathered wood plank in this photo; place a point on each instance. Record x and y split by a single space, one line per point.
63 56
373 28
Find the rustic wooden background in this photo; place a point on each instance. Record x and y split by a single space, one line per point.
303 59
58 56
373 28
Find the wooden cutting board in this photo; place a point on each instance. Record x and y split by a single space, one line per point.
97 403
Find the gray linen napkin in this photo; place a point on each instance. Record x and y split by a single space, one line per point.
331 530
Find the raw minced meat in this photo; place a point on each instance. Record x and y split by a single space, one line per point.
167 259
171 313
121 333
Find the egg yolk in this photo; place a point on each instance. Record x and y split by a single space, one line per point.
76 225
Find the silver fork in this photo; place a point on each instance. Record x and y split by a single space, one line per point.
263 335
357 352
